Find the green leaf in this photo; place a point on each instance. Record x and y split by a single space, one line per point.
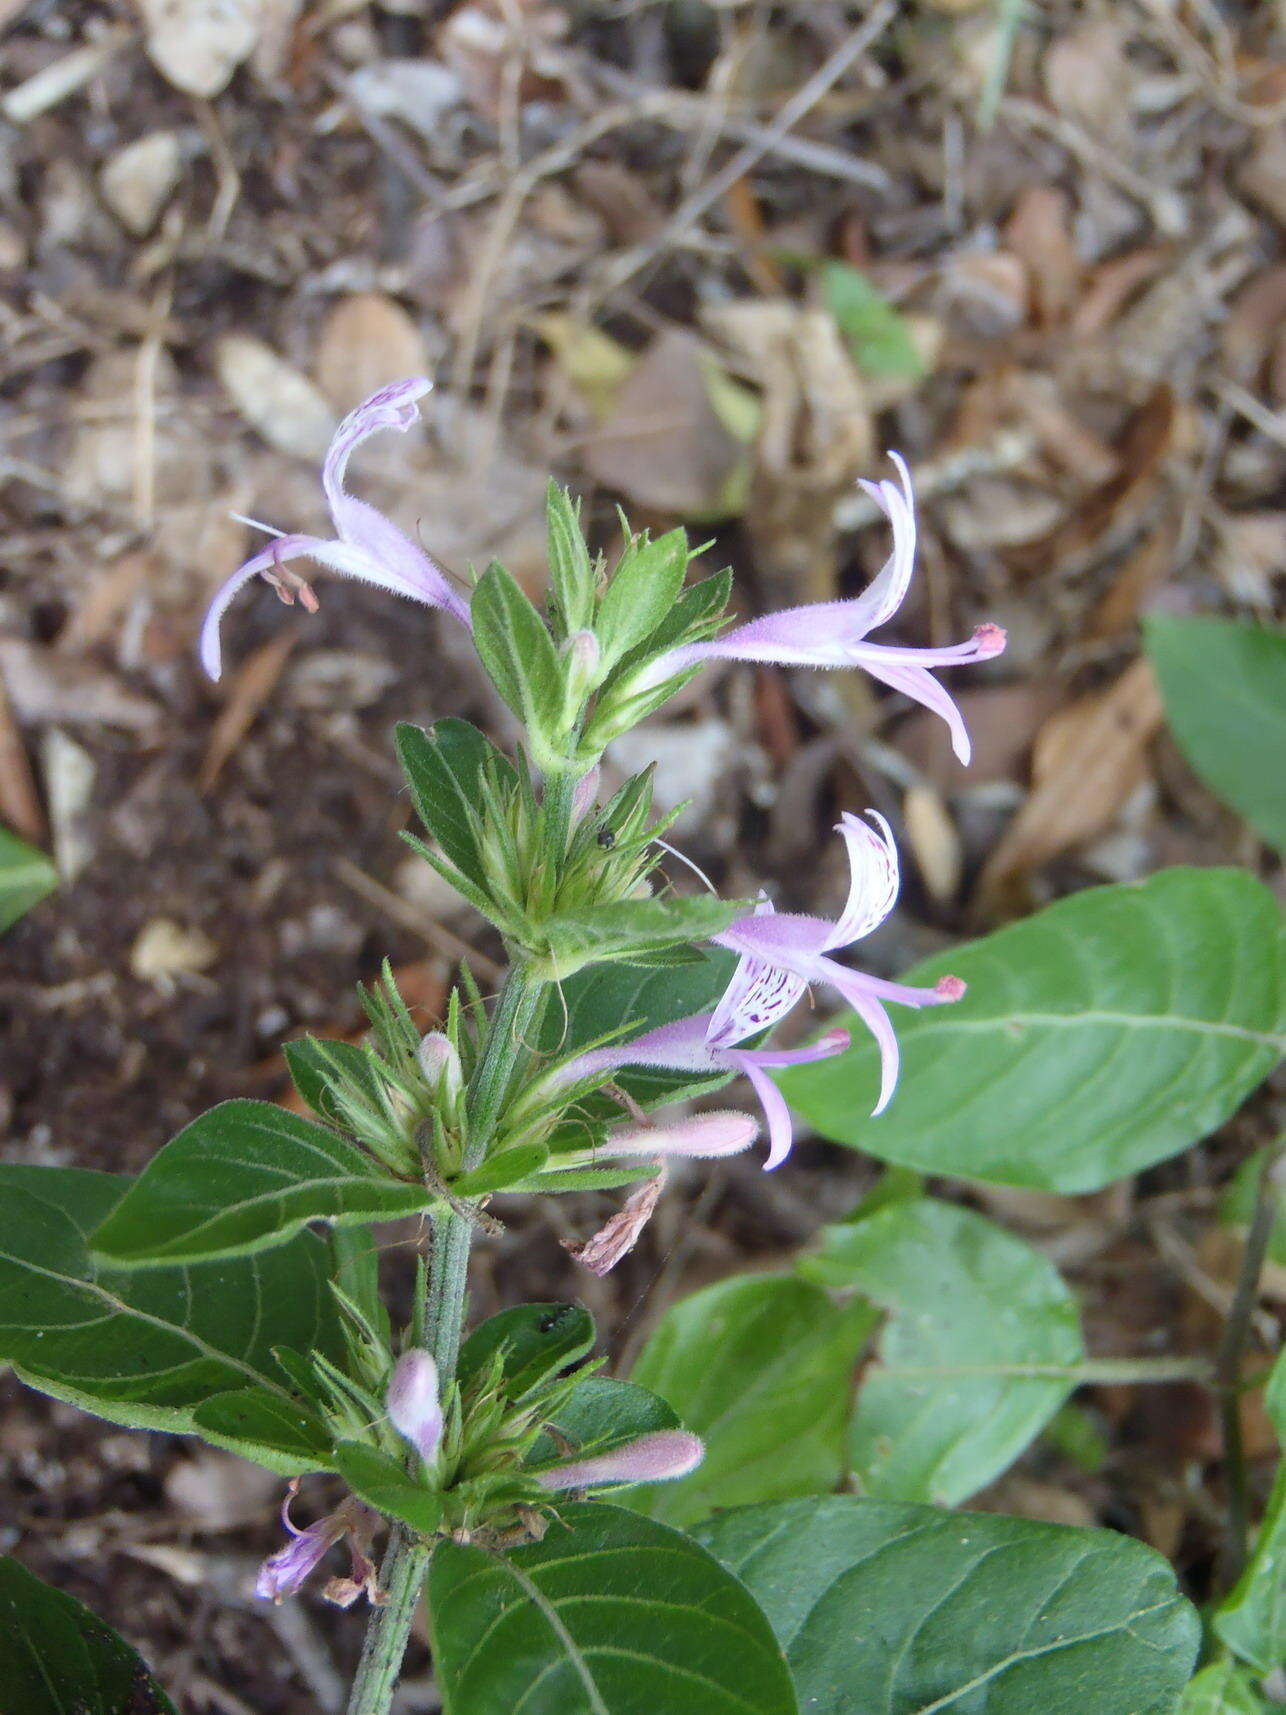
631 928
645 585
280 1429
600 1415
26 876
1224 686
498 1172
761 1368
610 1615
243 1176
897 1610
515 647
977 1321
877 334
1107 1032
1251 1620
538 1340
58 1658
1222 1689
312 1061
148 1349
602 998
570 572
452 771
380 1481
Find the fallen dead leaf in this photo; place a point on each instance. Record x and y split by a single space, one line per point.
666 444
1039 233
1141 573
1254 322
69 774
934 842
274 397
251 689
1088 759
816 437
1263 177
367 341
1141 453
20 807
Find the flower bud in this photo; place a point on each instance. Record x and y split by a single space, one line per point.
655 1458
722 1133
441 1066
583 658
414 1407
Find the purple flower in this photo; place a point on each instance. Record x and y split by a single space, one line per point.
366 544
654 1458
782 954
704 1044
284 1573
414 1404
834 633
724 1132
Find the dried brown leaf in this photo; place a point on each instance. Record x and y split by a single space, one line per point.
367 341
1089 758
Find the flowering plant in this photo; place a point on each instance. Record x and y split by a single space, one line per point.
233 1289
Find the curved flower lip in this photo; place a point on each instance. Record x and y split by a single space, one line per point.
655 1458
834 634
366 545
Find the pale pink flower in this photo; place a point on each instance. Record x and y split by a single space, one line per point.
835 633
366 544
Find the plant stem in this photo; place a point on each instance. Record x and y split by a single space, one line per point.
406 1560
1228 1364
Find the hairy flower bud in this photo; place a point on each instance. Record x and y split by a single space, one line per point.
414 1406
441 1066
722 1133
655 1458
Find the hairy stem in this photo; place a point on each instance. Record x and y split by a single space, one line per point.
1232 1349
406 1560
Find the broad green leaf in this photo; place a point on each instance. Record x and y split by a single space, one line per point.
645 585
603 998
1224 686
148 1349
241 1177
1222 1689
450 769
26 876
611 1614
58 1658
761 1368
571 573
538 1340
1107 1032
280 1430
384 1484
897 1610
1251 1621
515 647
311 1062
602 1414
630 929
972 1357
877 334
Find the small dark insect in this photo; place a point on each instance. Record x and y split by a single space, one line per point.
606 839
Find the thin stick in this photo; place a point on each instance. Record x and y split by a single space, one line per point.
1228 1362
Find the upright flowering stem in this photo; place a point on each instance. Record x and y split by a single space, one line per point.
406 1560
